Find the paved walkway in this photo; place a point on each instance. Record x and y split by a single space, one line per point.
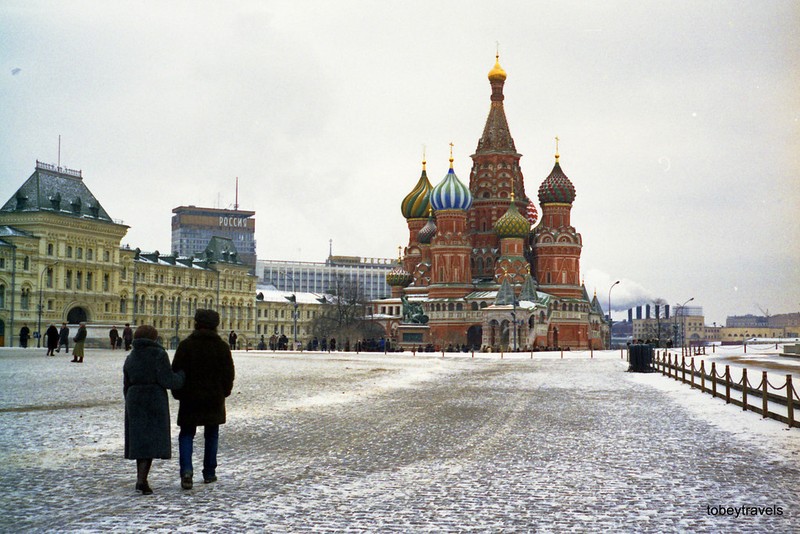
373 443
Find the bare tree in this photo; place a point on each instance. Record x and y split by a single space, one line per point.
344 313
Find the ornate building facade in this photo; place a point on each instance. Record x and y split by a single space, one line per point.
61 261
484 273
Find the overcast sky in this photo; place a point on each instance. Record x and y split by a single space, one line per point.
679 124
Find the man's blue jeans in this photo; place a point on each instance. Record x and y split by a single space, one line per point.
186 445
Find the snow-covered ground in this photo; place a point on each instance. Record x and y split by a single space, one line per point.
374 443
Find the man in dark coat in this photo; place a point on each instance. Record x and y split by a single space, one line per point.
24 335
207 362
113 336
63 338
146 378
52 339
127 336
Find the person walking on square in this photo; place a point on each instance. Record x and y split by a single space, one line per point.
206 359
63 338
127 336
24 335
79 339
52 339
113 336
232 340
146 378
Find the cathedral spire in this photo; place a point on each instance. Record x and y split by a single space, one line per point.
496 137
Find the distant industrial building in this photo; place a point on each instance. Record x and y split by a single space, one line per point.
193 228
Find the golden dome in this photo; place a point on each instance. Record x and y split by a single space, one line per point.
497 73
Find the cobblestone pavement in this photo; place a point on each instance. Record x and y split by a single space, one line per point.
374 443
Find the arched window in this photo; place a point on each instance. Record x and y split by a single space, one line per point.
2 296
451 307
459 307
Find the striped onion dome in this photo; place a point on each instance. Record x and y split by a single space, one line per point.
556 188
532 213
399 277
417 202
512 223
450 193
426 233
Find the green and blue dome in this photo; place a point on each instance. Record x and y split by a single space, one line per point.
450 193
417 202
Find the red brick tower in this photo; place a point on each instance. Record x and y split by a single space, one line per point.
495 172
556 243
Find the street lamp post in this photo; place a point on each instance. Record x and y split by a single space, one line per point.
682 310
293 300
610 320
41 283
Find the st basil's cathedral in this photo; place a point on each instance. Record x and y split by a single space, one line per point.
478 271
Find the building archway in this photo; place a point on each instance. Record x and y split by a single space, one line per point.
474 336
77 315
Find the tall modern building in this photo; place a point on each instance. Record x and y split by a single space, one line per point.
193 228
368 274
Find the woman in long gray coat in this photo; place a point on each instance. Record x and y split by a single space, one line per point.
147 375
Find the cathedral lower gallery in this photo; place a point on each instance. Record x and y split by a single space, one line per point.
484 269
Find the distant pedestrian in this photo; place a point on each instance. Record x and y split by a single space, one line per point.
206 360
146 378
24 336
113 336
63 338
332 344
127 336
52 339
79 339
232 337
262 345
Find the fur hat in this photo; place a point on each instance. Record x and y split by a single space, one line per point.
208 319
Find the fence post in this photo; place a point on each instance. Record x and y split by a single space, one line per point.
621 354
562 354
764 393
745 347
714 349
744 389
727 384
789 400
713 379
591 351
702 376
669 365
683 370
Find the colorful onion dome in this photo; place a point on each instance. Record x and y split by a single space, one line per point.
426 233
556 188
512 223
532 213
497 73
417 202
450 193
399 277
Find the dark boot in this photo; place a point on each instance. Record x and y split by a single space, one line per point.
186 480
